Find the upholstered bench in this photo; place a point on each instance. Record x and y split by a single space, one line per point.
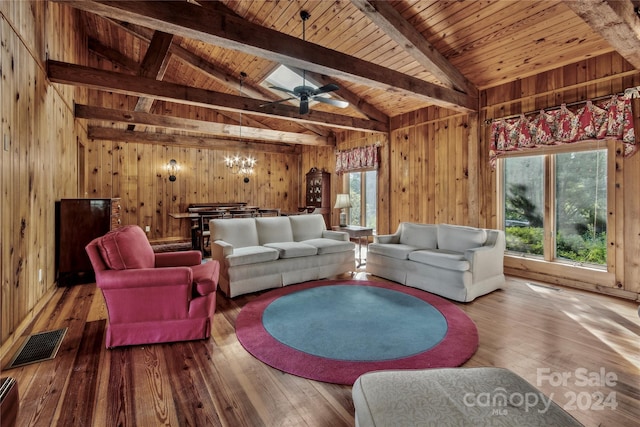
453 397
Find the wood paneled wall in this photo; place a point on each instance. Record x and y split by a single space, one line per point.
137 174
429 168
38 153
596 77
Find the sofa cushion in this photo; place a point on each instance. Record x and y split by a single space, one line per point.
458 238
292 249
305 227
274 229
126 247
251 255
205 277
392 250
330 246
239 232
441 258
419 235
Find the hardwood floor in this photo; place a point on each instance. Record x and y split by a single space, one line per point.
539 332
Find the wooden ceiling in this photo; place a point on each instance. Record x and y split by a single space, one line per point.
387 57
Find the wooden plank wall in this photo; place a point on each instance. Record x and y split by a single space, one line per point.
37 155
429 168
137 173
599 76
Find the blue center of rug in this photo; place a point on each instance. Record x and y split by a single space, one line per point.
355 323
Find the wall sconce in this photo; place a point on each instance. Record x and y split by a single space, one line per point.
240 165
343 202
172 168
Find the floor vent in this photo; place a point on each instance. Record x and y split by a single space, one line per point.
38 347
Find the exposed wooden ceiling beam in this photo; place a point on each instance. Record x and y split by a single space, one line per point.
194 61
154 65
155 61
230 32
391 22
215 72
355 102
191 125
617 23
110 134
117 59
78 75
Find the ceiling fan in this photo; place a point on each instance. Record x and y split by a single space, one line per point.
306 93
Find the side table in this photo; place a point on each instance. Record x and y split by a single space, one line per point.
357 232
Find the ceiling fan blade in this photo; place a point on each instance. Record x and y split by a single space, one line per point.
335 102
283 90
304 105
326 88
278 101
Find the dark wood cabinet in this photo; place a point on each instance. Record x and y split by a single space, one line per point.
78 221
318 193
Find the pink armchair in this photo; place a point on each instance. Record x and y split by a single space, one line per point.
152 298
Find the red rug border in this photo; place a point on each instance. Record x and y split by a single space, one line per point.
458 345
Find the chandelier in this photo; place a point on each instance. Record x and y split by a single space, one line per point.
241 165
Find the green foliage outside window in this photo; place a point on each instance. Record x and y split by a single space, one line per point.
580 206
579 248
363 196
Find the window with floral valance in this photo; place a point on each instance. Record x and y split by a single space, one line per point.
357 159
609 119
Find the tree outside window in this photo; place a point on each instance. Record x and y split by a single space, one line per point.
574 226
363 194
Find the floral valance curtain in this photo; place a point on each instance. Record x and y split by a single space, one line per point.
356 159
609 119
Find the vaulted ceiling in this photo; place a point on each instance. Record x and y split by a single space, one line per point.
387 57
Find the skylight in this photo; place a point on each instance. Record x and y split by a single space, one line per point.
286 78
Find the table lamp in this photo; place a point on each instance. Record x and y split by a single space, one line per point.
342 203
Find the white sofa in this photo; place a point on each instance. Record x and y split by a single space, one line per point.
270 252
456 262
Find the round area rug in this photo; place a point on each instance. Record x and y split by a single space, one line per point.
336 330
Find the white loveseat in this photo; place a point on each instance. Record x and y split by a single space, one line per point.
270 252
456 262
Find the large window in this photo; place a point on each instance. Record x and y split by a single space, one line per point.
363 189
554 206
